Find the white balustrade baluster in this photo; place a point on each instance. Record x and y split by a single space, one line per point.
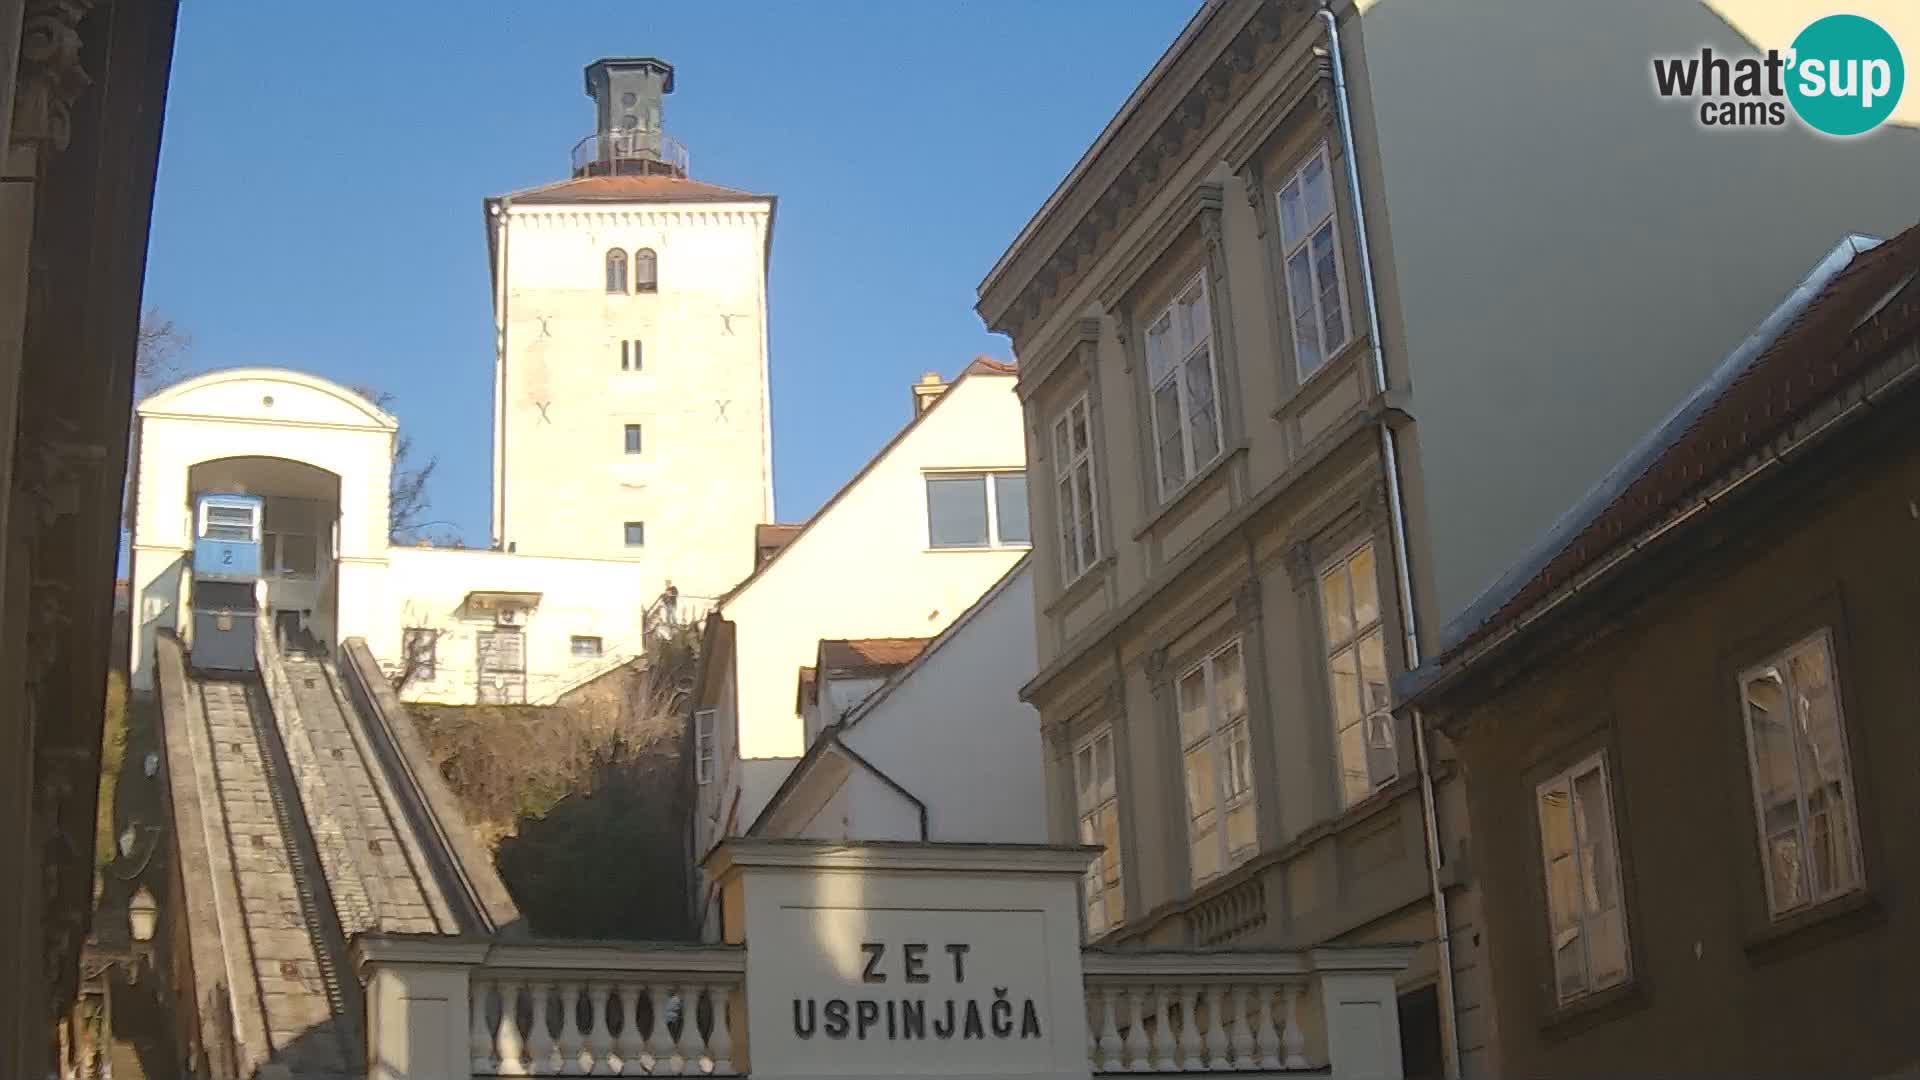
1217 1030
480 1039
509 1047
690 1049
1190 1048
1165 1056
599 1031
1136 1031
544 1052
1293 1041
660 1044
1109 1058
633 1042
721 1045
572 1043
1267 1039
1242 1034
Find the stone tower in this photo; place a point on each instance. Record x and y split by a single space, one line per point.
630 393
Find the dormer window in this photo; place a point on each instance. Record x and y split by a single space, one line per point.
645 271
616 271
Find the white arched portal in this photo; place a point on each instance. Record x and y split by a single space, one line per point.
279 433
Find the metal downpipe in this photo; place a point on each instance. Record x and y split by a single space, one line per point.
1403 576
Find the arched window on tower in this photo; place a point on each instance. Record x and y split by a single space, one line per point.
616 271
646 271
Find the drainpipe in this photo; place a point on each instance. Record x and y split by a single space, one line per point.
1403 576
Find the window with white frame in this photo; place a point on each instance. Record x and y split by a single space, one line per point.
1218 754
1097 803
1586 919
585 646
1310 247
1073 490
1356 645
1184 382
976 510
1802 778
703 757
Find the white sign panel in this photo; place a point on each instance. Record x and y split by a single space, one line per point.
894 991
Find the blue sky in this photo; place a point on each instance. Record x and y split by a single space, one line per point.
321 178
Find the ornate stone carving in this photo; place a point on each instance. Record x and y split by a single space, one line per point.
1156 668
1300 564
50 73
1246 601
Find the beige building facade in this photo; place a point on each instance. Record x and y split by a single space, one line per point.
631 379
1328 324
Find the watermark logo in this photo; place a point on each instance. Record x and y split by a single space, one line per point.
1842 76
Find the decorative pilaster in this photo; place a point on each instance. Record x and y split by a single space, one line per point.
1247 602
1299 561
51 77
1254 184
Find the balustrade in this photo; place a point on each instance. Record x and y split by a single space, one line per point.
1196 1012
542 1025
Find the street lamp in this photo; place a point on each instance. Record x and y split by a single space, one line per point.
143 915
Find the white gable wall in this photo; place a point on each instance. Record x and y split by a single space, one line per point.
954 732
861 569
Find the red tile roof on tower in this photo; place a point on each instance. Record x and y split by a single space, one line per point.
631 189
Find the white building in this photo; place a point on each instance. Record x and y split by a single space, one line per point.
630 395
478 625
909 543
632 455
943 749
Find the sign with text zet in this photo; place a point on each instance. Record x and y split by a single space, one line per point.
890 959
889 987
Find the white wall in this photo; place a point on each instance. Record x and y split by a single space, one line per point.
564 483
953 731
862 568
427 587
251 412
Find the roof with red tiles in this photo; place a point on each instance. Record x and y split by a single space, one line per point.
632 188
868 653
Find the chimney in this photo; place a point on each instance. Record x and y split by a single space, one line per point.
927 391
628 137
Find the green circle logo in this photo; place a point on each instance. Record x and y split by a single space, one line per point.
1846 75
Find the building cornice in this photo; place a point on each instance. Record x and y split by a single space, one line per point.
1204 75
741 853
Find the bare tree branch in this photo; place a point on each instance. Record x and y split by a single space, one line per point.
160 349
407 498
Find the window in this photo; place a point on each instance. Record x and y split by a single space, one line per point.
1098 805
633 438
584 646
1073 487
646 271
1357 676
630 354
636 534
419 649
1310 244
616 271
1180 373
228 522
703 745
1802 781
1218 752
1586 919
977 510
